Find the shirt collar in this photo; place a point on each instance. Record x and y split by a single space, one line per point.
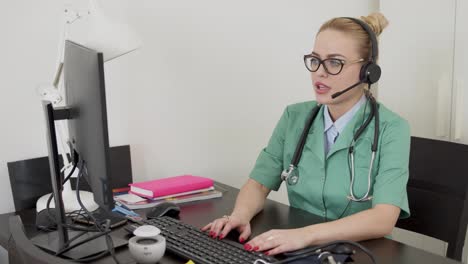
344 119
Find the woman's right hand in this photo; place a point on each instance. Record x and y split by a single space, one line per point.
220 227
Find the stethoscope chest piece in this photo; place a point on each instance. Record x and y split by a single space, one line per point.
291 175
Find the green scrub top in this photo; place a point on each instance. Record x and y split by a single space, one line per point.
324 180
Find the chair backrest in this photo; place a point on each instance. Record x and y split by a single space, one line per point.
22 251
30 179
437 192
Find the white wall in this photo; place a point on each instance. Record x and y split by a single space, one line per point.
29 42
417 65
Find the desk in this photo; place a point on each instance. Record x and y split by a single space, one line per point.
275 215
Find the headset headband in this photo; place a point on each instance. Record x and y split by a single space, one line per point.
372 36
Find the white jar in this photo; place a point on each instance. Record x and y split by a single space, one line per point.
147 246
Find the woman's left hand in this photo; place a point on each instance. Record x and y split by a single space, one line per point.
277 241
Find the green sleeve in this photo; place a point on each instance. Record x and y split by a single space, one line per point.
269 164
392 177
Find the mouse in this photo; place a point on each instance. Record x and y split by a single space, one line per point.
164 209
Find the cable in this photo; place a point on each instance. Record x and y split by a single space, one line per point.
78 197
49 200
106 231
69 247
52 219
321 248
75 158
83 212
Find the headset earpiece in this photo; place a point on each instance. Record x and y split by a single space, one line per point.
370 73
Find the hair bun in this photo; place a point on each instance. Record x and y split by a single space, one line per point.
376 21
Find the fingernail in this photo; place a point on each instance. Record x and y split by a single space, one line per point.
211 233
256 248
241 240
247 247
266 253
221 236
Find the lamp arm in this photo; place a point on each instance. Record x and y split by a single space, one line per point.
58 74
69 17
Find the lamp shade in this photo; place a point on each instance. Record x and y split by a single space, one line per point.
108 36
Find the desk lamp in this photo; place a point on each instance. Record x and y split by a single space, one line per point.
113 39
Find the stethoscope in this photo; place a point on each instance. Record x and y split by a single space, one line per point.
291 175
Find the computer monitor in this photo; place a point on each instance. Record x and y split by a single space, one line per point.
87 117
88 132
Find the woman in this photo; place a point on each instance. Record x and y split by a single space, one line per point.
365 211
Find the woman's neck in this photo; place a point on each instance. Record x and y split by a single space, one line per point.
338 110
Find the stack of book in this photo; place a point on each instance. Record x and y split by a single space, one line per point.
176 189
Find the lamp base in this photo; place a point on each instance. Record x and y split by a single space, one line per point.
70 202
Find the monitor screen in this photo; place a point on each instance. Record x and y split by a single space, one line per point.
86 98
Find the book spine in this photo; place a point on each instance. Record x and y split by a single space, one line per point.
140 194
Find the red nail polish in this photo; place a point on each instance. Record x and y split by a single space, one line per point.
255 248
241 240
266 253
221 236
247 247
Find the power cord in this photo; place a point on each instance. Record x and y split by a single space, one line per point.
106 230
331 247
103 230
52 219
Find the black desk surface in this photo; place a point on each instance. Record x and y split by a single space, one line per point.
274 216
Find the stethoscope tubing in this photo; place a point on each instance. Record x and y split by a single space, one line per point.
374 114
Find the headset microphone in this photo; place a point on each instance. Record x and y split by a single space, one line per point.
345 90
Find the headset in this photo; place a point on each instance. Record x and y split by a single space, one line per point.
370 73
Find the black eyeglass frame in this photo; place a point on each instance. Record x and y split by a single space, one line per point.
321 62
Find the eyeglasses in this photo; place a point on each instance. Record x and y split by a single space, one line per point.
332 66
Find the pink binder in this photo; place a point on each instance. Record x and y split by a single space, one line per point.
171 185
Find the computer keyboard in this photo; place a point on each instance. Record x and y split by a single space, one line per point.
190 242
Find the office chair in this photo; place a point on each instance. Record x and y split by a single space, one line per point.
30 179
437 192
22 251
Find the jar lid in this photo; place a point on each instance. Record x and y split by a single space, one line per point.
147 231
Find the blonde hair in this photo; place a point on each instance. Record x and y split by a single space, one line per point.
376 21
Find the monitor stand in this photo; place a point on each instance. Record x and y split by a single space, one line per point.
50 242
56 240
